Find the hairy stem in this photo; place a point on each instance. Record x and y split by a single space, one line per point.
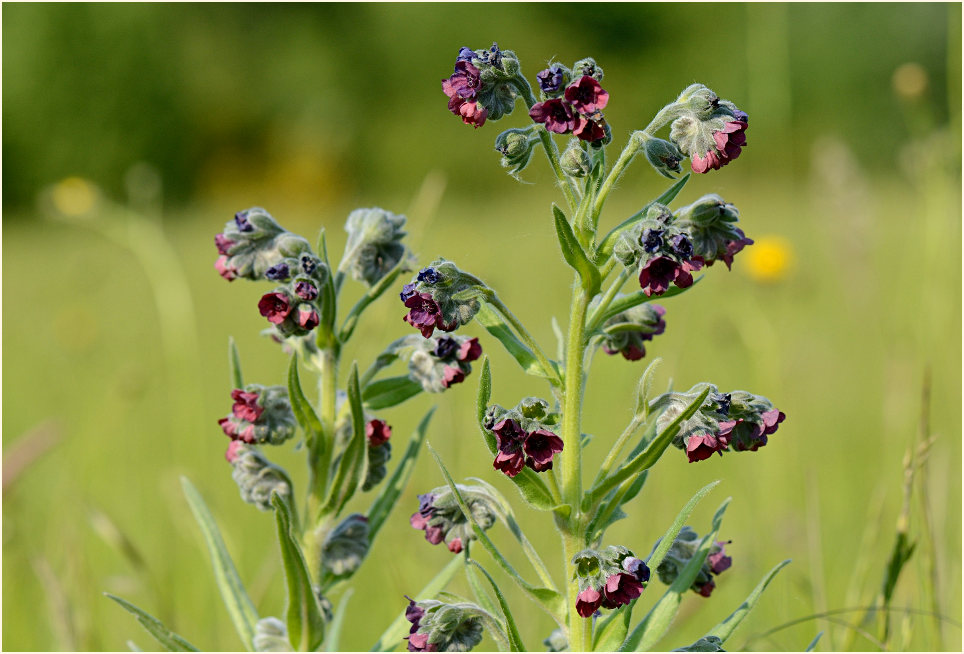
572 410
625 157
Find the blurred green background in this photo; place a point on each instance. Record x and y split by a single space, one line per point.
131 133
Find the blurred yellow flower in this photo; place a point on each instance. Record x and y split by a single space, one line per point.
74 196
910 80
769 259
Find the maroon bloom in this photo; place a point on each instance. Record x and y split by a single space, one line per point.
590 129
771 419
586 95
556 114
729 142
419 643
424 314
232 453
223 243
377 432
246 405
659 272
451 376
509 439
434 535
719 561
308 318
703 446
275 307
225 269
455 545
707 589
588 602
461 88
470 350
620 589
732 247
306 291
540 446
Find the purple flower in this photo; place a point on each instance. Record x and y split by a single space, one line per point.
550 79
429 276
682 246
556 114
446 347
637 568
407 291
246 405
652 240
719 561
462 88
308 265
277 272
659 272
732 247
587 602
425 314
241 220
306 291
465 54
225 269
586 96
620 589
540 446
377 432
510 438
275 307
451 376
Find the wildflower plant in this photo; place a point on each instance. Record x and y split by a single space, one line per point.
536 441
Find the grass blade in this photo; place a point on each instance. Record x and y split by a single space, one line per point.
242 611
333 636
167 638
726 628
354 460
515 641
234 361
813 643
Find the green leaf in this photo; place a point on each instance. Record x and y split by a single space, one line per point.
306 622
657 622
574 255
392 637
333 635
813 643
328 302
390 392
496 326
611 631
550 601
648 457
167 638
392 490
899 556
353 463
726 628
605 248
515 641
239 605
478 590
383 284
304 412
645 387
234 361
595 322
482 403
667 540
610 510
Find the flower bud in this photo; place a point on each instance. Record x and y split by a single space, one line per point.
587 66
683 549
257 478
663 156
709 130
440 627
441 296
271 635
440 517
374 244
378 457
345 547
710 223
626 332
574 161
254 242
260 415
516 147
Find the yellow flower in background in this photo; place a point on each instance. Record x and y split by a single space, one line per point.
769 259
74 196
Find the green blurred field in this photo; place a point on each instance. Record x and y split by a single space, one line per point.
326 108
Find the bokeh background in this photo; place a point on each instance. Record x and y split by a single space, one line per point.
131 133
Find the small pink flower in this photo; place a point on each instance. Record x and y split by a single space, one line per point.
587 602
452 376
455 545
246 405
233 451
703 446
225 269
275 307
307 317
470 350
223 243
377 432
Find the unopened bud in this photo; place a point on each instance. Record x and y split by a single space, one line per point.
374 244
257 478
440 627
271 635
664 156
345 547
587 66
516 147
575 161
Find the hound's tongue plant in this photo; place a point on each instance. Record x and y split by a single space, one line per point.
349 436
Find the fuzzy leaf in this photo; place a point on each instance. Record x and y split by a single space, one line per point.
390 392
328 303
495 325
726 628
605 248
574 255
306 622
667 540
610 510
392 490
481 595
167 638
239 605
611 631
392 636
515 641
304 412
351 467
645 387
234 361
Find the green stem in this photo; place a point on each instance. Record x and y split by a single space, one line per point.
524 334
580 629
319 457
636 141
572 410
606 300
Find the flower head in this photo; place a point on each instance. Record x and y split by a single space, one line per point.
439 298
439 362
711 131
626 332
259 415
523 436
685 546
440 517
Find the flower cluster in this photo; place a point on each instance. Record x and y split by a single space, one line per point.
440 517
377 433
710 222
259 414
684 548
710 130
439 627
256 477
609 578
374 244
523 436
573 107
345 547
253 242
738 420
483 85
440 361
626 332
293 307
441 297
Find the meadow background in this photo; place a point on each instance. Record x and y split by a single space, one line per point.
131 133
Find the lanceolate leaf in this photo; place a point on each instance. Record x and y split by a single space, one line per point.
393 488
633 300
667 540
306 623
726 628
611 631
301 407
495 325
390 392
351 467
606 244
234 360
392 637
515 641
235 597
167 638
574 255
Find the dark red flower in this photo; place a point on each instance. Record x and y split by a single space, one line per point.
225 269
455 545
588 602
729 143
556 114
771 419
589 129
377 432
586 96
308 318
424 314
246 405
509 438
719 561
306 291
703 446
470 350
707 589
540 446
452 376
464 82
275 307
659 272
620 588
